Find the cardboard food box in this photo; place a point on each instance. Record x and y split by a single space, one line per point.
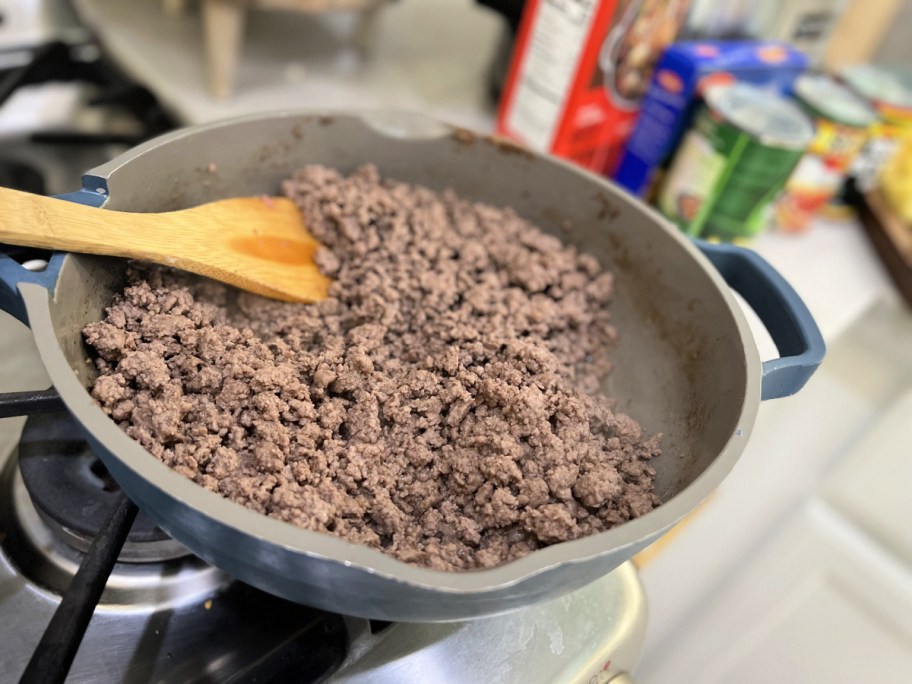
578 73
682 74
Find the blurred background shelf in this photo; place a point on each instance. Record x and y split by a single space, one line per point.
417 59
892 238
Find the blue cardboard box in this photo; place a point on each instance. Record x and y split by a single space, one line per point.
682 73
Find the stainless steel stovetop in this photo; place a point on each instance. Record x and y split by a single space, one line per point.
166 616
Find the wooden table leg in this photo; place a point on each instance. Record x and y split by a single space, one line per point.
175 7
223 26
366 28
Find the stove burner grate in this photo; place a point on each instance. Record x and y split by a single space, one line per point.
75 494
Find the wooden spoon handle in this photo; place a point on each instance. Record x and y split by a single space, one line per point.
33 221
261 245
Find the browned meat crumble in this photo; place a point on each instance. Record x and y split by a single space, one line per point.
442 405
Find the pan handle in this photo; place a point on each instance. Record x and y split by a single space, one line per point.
12 273
782 311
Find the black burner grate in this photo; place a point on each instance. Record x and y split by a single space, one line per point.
61 474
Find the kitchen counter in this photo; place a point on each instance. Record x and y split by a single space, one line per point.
834 268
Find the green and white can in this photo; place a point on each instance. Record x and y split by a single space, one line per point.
743 146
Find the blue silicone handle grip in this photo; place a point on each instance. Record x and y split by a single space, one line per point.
783 313
11 273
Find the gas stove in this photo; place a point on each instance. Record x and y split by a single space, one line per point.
65 108
166 616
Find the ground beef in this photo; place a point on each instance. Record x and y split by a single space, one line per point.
442 405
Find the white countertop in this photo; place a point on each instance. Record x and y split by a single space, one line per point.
835 270
432 56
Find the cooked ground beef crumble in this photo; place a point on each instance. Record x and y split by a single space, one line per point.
442 405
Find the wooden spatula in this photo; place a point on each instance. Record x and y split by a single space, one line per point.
259 244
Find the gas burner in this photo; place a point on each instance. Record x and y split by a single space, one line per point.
46 555
58 499
74 494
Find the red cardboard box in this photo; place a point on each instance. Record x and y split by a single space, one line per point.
579 71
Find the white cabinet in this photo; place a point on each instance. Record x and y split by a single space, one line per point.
873 485
818 603
799 569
